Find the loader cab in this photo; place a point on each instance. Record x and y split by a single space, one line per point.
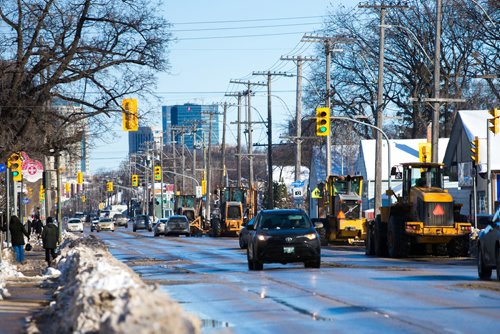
422 175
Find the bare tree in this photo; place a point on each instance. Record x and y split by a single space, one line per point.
90 53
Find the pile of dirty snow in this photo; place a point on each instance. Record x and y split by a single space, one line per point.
7 270
98 293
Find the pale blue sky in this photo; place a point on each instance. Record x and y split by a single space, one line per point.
201 68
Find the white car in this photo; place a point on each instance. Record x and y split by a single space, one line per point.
105 224
74 225
159 227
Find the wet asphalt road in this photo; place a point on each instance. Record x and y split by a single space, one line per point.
350 293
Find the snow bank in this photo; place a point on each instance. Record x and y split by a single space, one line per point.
7 270
98 293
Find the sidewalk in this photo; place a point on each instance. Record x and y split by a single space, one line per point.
28 294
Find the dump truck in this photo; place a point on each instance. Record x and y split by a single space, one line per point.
191 207
342 205
235 206
424 217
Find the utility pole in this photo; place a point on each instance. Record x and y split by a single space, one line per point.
195 125
269 74
238 136
328 41
209 164
249 125
223 147
380 101
174 160
437 79
183 160
299 61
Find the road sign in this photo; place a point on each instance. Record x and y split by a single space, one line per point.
3 168
298 184
198 192
316 193
25 200
297 192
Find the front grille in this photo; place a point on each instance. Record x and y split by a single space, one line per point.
351 209
430 213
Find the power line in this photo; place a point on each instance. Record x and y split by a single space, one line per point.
239 36
251 20
244 27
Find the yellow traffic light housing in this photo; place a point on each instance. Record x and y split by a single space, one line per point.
130 119
135 180
495 121
475 151
15 164
425 152
322 122
79 178
41 194
157 173
109 186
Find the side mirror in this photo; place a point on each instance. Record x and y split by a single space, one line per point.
250 227
318 225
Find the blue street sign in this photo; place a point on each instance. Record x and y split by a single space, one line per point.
3 168
25 200
298 184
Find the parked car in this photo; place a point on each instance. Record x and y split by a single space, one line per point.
159 227
120 220
94 223
488 253
244 233
283 236
142 222
177 225
105 224
74 225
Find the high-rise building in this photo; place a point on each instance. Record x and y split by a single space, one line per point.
137 139
190 116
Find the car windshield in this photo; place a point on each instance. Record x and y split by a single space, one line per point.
284 221
177 220
141 219
107 220
233 212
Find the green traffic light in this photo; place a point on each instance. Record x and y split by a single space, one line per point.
322 129
15 173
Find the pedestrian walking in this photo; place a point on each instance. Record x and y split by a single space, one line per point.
37 227
17 233
49 239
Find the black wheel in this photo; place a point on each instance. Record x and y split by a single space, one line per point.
250 262
258 265
483 270
216 228
380 240
316 263
397 240
155 235
369 241
134 229
458 247
242 243
323 238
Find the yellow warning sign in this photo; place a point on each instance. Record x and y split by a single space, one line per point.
316 193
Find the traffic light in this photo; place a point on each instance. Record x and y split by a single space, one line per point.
475 151
135 180
130 119
41 194
425 152
109 186
79 178
157 173
495 121
84 198
16 166
322 122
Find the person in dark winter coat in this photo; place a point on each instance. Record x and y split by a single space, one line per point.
17 233
49 239
37 227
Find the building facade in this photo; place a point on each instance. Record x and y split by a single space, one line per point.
190 118
137 139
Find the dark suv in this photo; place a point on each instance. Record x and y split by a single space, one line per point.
142 222
283 236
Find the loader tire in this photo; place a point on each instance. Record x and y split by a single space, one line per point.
380 240
216 228
370 239
323 238
458 247
397 240
483 271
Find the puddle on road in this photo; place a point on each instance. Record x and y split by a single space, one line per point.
211 323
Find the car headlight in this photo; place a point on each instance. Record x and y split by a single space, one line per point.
262 237
310 236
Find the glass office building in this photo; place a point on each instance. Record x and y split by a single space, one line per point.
186 117
138 139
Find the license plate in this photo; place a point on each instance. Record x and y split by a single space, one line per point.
288 250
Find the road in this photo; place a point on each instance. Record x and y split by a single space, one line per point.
350 293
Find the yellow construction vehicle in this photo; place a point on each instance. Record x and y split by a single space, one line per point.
235 205
343 209
424 215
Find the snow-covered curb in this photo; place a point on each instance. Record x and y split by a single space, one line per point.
7 270
98 293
